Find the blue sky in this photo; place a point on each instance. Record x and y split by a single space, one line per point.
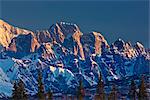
115 19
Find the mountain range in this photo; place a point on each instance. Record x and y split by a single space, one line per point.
65 55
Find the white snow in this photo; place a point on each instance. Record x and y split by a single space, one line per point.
52 68
5 85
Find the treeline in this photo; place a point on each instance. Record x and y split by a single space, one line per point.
140 93
19 92
135 93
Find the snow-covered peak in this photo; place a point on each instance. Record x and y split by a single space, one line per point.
140 48
66 23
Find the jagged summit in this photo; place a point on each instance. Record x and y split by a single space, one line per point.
68 35
66 23
64 29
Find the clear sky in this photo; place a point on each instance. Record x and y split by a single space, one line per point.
115 19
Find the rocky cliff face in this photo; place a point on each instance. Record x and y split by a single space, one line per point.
100 43
66 34
24 43
46 51
43 36
94 43
69 36
17 40
8 32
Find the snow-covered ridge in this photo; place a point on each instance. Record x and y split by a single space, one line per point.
66 23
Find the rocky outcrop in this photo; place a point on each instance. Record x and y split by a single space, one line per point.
100 42
94 43
8 32
24 43
68 35
129 51
46 51
140 48
17 40
43 36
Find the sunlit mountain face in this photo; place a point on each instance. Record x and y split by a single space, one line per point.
66 56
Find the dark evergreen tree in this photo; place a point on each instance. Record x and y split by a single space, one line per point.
50 95
113 93
142 95
19 92
15 92
100 93
22 91
132 92
81 92
40 94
